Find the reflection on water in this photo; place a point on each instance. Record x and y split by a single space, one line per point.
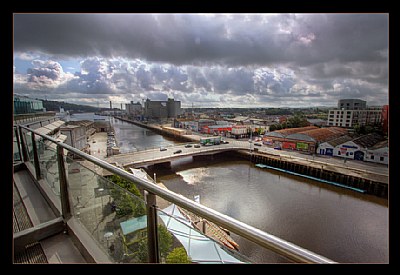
134 138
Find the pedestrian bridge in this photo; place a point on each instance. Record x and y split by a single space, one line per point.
156 156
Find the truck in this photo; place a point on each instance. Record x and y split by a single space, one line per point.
210 141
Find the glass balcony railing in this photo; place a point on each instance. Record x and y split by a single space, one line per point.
121 215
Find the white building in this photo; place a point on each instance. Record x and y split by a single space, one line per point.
238 130
379 153
351 118
327 147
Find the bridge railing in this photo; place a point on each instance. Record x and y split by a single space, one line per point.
124 224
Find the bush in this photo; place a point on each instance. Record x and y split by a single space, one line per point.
178 256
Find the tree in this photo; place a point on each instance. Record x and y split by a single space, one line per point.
178 256
164 245
127 204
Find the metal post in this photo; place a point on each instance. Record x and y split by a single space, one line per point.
23 145
152 228
36 158
18 143
65 206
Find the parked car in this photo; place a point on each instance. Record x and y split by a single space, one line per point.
224 142
178 151
163 149
197 146
257 143
188 145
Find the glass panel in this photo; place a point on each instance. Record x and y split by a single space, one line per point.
28 144
47 154
115 218
182 229
16 148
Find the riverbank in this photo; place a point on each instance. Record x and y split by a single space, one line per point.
361 177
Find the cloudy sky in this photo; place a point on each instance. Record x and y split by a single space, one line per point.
208 60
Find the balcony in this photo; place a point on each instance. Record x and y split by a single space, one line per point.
66 211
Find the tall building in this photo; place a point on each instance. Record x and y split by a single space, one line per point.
352 112
162 109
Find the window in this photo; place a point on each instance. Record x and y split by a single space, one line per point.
381 158
347 153
338 153
372 157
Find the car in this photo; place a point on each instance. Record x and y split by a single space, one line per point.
277 148
257 143
197 146
178 151
188 145
163 149
224 142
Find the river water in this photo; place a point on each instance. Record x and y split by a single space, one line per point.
337 223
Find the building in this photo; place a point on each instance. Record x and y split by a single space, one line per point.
76 136
26 105
203 122
351 118
87 124
134 108
239 131
354 112
378 153
217 129
162 109
305 139
357 148
385 119
352 104
327 147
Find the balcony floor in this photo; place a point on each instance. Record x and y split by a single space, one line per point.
31 209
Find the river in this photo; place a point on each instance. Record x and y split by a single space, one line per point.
339 224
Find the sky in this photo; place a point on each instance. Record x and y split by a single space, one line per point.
203 60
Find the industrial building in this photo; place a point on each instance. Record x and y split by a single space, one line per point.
162 109
303 139
26 105
134 108
371 147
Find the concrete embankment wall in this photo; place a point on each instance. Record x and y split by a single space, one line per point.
372 187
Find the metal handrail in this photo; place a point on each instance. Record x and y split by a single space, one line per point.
266 240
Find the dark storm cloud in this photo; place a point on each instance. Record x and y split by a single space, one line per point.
195 39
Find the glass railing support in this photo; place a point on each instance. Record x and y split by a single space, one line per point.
36 158
65 206
152 228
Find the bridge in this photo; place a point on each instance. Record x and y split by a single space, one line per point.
170 153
